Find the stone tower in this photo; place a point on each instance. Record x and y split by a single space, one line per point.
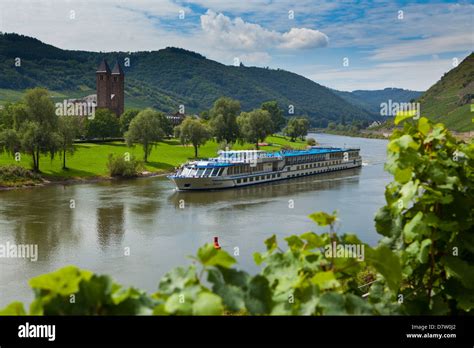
117 90
103 85
110 88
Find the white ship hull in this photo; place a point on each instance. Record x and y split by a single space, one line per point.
215 183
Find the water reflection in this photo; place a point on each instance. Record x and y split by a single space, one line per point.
256 194
110 225
31 219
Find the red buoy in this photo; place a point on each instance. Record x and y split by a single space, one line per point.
216 243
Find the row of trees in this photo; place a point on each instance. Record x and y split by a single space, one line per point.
224 121
230 125
32 127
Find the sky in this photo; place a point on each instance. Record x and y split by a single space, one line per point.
346 45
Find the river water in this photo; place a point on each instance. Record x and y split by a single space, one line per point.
137 230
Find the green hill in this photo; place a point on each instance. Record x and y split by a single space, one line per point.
371 100
449 100
166 78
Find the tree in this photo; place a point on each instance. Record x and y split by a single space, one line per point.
34 127
35 140
255 126
291 129
165 124
126 118
69 128
343 120
145 129
204 115
311 142
6 116
297 127
303 127
105 124
223 119
9 141
193 131
276 114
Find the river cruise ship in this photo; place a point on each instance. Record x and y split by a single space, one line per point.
250 167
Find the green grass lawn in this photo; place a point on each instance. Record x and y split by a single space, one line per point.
90 160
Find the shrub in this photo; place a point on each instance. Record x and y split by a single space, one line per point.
12 175
123 166
311 142
287 147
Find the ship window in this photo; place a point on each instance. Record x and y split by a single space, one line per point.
268 176
200 171
251 179
262 177
278 175
238 181
245 179
288 169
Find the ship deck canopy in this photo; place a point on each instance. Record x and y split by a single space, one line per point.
236 157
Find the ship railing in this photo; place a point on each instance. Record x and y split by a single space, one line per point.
224 159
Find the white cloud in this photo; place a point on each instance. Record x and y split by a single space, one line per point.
303 38
235 33
238 34
428 46
108 25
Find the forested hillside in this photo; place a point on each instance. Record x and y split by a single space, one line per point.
370 100
449 100
166 78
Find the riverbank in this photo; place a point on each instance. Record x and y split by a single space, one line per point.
89 162
48 181
379 134
384 133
